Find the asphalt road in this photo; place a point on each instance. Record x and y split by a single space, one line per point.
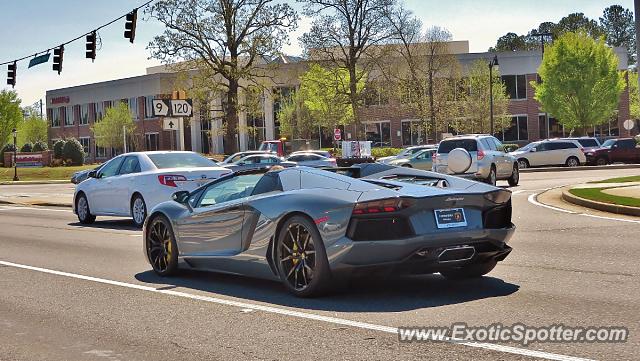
71 292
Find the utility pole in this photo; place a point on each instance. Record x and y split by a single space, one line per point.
41 117
542 36
636 8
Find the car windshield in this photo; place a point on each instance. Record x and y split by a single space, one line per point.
448 145
529 146
180 160
609 143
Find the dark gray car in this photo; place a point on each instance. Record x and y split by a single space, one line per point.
257 161
310 228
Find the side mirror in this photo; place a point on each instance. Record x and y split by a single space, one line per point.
181 197
93 174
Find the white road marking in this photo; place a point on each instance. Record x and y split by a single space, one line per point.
533 200
299 314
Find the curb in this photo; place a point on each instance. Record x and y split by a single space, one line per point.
573 169
19 183
38 203
605 207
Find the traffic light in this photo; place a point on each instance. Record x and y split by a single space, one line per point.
11 74
91 46
58 54
130 25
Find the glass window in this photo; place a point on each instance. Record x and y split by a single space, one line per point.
412 132
110 169
180 160
556 130
133 107
516 86
130 165
521 87
84 114
588 142
448 145
85 142
516 131
99 106
229 189
148 106
68 115
379 133
542 127
270 182
101 152
151 141
268 160
55 117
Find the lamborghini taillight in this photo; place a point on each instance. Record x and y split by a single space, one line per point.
381 206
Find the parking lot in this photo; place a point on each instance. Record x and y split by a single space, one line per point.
74 292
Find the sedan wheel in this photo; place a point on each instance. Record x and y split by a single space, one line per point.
83 211
515 176
301 257
492 176
161 248
523 163
572 162
138 211
601 161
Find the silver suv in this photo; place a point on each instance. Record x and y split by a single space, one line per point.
477 156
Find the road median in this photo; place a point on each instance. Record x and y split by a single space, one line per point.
619 198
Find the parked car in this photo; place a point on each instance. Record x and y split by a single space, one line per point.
237 156
80 176
550 153
476 156
405 153
624 150
323 153
420 160
585 142
131 184
255 161
309 159
307 227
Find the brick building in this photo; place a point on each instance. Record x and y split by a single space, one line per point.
71 111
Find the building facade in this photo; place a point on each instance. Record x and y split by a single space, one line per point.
72 111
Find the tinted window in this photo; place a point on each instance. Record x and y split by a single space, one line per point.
267 160
269 182
609 143
542 147
180 160
130 165
588 142
229 189
486 144
448 145
627 143
110 169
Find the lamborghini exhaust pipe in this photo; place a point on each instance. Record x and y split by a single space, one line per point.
456 254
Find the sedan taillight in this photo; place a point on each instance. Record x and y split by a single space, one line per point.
381 206
170 179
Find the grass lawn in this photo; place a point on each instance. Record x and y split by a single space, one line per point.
42 173
633 178
596 194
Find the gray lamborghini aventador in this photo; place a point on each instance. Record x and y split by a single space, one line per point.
311 228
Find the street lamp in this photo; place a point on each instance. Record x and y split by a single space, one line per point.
15 155
493 62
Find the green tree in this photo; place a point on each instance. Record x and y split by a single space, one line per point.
620 29
109 132
349 35
577 22
581 84
475 107
10 114
634 98
227 38
32 129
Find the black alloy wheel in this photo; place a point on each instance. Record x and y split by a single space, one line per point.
160 244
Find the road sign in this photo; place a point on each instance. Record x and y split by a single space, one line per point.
629 124
182 108
336 134
171 123
172 108
160 107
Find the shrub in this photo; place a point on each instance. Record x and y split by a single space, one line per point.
56 162
57 148
510 147
40 146
27 148
7 148
384 152
73 152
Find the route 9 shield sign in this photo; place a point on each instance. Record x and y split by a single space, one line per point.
172 108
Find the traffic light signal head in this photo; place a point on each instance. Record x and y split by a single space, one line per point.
11 74
130 25
91 46
58 54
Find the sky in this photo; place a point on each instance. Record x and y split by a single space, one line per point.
29 26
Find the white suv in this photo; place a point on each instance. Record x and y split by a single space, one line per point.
477 156
549 153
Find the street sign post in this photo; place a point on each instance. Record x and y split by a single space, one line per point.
337 135
160 107
629 124
169 123
172 108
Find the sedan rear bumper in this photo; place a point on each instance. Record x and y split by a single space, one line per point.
420 254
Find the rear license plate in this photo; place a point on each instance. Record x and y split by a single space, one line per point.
449 218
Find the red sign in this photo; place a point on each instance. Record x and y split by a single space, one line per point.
336 134
59 100
29 160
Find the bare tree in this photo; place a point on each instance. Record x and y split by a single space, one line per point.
345 33
228 37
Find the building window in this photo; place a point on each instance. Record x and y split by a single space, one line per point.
151 141
205 134
556 130
148 106
84 114
516 86
68 115
256 131
99 111
85 142
133 107
374 95
101 152
413 132
55 117
379 133
516 131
